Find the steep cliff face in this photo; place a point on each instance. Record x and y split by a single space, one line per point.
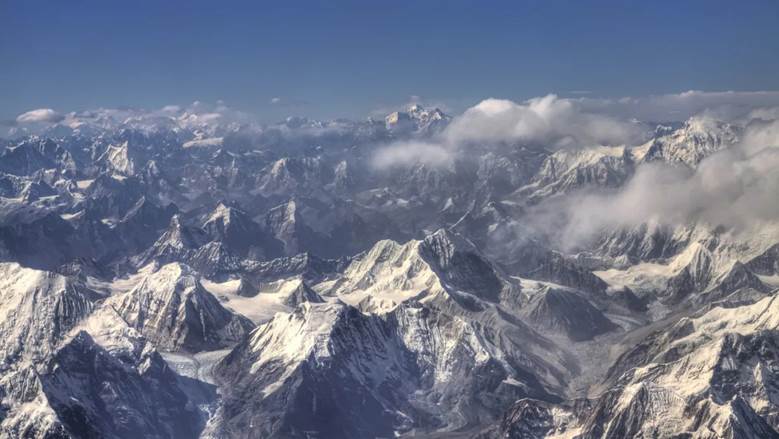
37 308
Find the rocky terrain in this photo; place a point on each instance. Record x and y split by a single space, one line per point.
181 276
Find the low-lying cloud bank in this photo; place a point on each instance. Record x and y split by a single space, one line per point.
724 105
549 121
736 188
412 152
555 123
196 114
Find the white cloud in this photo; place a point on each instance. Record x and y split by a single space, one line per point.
554 123
735 188
410 153
287 102
727 105
171 109
196 115
548 121
41 115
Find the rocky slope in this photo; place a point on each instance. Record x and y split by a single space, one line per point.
181 276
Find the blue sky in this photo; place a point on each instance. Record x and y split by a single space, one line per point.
333 59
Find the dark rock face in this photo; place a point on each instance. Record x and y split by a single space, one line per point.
286 225
526 419
767 263
627 298
302 294
569 313
95 395
43 242
35 154
536 262
461 265
140 226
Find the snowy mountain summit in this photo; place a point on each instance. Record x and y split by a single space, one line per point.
517 271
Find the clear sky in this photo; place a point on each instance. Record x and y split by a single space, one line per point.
331 58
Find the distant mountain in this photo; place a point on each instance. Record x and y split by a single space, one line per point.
416 119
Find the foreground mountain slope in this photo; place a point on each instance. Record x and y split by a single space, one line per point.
438 342
322 362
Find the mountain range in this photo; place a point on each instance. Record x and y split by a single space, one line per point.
185 276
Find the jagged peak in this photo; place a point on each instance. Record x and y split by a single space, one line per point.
117 158
291 208
222 212
304 332
37 307
416 116
287 212
705 126
444 242
279 165
301 293
175 222
170 276
696 139
171 308
174 235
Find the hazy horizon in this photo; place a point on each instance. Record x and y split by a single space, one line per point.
351 59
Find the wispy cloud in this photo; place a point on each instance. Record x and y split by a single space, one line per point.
549 122
40 115
410 153
735 188
727 105
287 102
